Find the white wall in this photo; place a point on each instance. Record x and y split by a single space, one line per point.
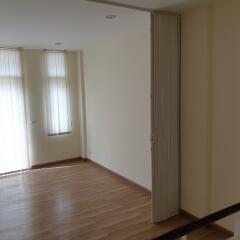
210 108
195 117
225 104
117 85
42 147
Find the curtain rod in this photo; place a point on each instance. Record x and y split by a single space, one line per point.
20 49
54 50
11 48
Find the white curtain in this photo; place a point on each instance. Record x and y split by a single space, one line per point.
13 134
57 93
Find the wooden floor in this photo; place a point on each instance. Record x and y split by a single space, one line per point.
81 202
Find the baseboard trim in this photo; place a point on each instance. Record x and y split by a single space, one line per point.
120 177
59 162
215 225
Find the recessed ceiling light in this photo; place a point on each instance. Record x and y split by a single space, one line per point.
58 43
110 16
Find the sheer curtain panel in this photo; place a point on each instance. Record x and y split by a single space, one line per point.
57 93
13 133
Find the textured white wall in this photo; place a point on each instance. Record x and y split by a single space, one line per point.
195 111
225 105
44 148
117 85
210 108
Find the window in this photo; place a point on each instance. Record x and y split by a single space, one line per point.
57 93
13 131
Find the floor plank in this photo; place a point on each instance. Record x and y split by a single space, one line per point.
79 202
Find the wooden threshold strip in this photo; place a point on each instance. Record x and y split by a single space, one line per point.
215 225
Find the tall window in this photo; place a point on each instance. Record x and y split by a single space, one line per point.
57 93
13 134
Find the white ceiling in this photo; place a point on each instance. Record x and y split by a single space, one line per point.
158 4
76 23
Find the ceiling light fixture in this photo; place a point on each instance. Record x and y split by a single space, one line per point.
110 16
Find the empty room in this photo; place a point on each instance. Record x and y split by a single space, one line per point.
119 119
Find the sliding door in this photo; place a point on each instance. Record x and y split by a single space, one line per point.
165 115
13 134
